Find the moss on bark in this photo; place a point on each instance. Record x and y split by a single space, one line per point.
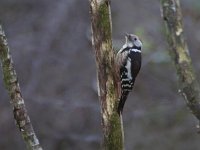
179 53
12 85
108 88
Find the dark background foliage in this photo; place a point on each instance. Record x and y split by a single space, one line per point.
51 48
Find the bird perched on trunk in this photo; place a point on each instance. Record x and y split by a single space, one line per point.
128 64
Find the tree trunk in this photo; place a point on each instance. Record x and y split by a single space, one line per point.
179 52
12 85
107 76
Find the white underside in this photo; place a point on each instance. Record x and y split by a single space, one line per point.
136 50
128 67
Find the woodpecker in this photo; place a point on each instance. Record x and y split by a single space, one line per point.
128 63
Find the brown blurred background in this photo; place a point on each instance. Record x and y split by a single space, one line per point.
51 48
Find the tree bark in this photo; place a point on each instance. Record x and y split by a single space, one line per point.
12 85
106 73
189 87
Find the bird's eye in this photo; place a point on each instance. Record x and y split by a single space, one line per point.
135 39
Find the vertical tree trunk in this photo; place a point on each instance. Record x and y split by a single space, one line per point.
11 83
189 86
107 77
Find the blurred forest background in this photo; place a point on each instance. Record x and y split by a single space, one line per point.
51 48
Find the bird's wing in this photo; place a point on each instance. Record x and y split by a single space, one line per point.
120 61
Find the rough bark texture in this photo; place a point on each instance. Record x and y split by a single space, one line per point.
11 83
189 86
107 79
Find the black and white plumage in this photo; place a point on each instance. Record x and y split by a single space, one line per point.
129 64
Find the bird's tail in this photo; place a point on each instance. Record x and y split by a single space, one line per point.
123 97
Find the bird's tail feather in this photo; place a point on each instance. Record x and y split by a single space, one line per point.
122 101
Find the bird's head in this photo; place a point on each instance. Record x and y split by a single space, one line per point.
133 41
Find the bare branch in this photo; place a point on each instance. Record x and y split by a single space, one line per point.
107 79
12 85
189 86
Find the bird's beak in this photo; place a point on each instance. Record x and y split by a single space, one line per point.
126 35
